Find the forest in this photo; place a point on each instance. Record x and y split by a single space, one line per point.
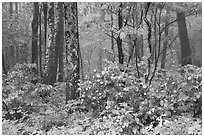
101 68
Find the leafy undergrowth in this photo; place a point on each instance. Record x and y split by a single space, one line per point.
111 103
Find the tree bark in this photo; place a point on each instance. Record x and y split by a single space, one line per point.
112 38
45 26
35 33
72 39
51 76
119 41
40 43
60 41
166 31
184 41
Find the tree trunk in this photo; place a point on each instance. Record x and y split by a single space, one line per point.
60 41
100 58
11 46
12 55
35 33
51 76
3 64
11 9
184 41
40 44
45 27
142 46
112 38
163 60
119 41
72 39
16 6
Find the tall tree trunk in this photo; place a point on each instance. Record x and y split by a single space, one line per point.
45 28
184 41
154 50
60 41
35 33
112 38
51 76
72 39
35 37
119 41
163 60
40 43
11 46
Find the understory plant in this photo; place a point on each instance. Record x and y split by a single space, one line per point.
112 102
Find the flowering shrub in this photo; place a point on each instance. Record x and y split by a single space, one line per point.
178 93
113 85
171 93
112 102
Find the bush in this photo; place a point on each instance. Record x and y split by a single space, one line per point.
176 94
112 102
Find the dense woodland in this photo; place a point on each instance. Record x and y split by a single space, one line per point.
110 68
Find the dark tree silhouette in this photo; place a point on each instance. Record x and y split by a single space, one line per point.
119 40
184 41
35 33
60 41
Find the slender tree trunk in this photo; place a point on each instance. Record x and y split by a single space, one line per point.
112 38
35 33
184 41
12 54
154 52
142 46
119 41
3 64
17 46
7 60
100 59
16 6
165 44
72 39
11 46
45 28
40 44
11 9
60 41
